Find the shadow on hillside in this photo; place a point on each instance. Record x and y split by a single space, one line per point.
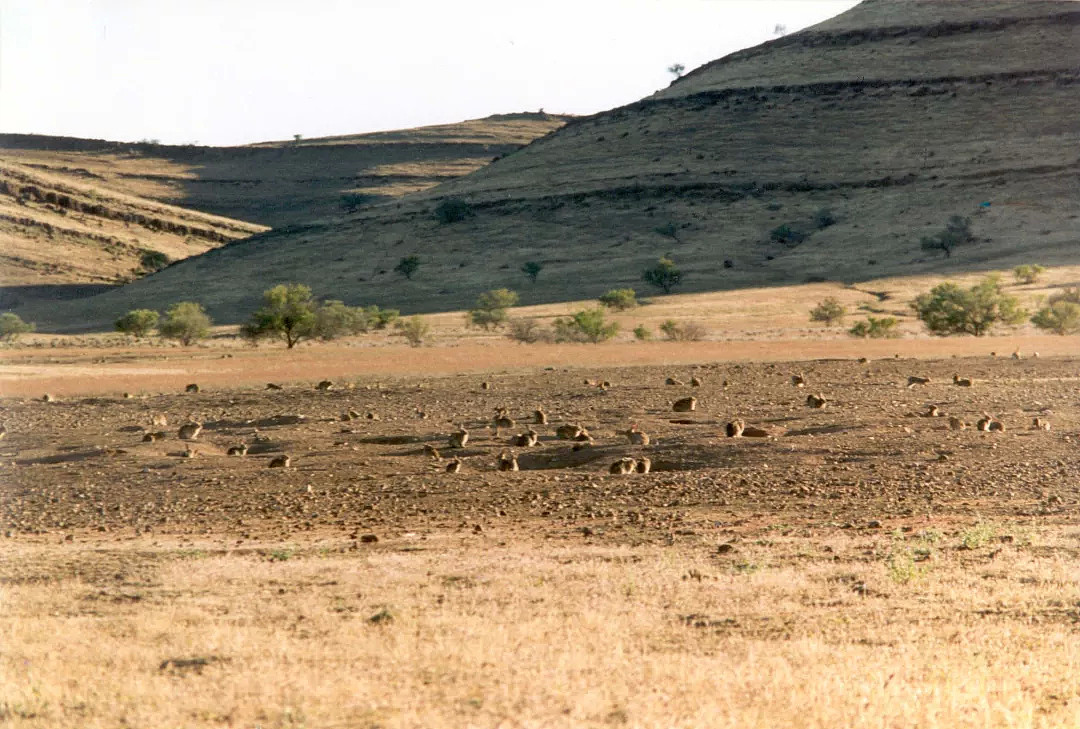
13 297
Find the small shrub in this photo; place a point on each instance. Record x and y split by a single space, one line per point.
491 306
642 333
585 326
137 322
823 218
529 331
532 269
407 266
667 229
185 321
902 566
664 275
1028 273
1071 295
334 319
152 261
948 309
875 328
787 235
620 299
415 329
452 210
353 201
829 311
380 318
1059 317
956 232
12 326
977 536
691 331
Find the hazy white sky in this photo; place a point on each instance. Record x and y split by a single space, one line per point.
237 71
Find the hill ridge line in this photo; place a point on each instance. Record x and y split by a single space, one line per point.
857 36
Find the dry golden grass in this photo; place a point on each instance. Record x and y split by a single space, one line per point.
796 627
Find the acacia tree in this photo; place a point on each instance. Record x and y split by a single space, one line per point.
949 309
288 313
1060 317
532 269
956 232
664 275
491 306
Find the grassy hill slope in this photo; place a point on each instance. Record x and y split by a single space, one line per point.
893 116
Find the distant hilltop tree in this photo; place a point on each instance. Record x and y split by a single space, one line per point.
676 70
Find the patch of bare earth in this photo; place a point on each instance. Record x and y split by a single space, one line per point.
862 566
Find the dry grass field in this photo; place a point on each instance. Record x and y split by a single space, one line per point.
860 566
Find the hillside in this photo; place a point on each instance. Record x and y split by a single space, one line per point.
893 116
61 236
282 183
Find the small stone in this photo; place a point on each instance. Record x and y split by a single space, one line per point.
725 549
369 539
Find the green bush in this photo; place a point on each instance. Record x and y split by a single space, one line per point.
491 306
823 218
956 232
585 326
185 321
620 299
690 331
787 235
875 328
452 210
334 319
642 333
353 201
415 329
664 275
381 318
529 331
1060 317
12 326
829 310
949 309
1028 273
1070 294
138 322
532 269
407 266
152 261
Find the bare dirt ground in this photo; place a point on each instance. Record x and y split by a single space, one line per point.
861 566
